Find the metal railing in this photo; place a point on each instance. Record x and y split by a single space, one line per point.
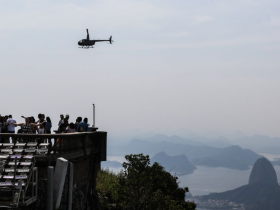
68 145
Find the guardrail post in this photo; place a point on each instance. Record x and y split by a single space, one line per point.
50 188
71 172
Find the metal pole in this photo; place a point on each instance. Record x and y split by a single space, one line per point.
36 186
15 171
14 180
50 188
93 125
71 171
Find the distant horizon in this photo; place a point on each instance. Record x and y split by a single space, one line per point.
134 131
206 134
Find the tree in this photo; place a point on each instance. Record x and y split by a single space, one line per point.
141 186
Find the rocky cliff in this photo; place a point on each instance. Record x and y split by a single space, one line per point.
262 192
263 172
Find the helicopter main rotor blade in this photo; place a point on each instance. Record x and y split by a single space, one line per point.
87 35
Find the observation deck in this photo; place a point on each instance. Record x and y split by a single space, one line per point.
67 145
85 150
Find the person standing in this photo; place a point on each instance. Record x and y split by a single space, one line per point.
27 127
34 129
39 118
78 120
11 126
67 117
43 124
61 121
83 126
63 126
1 123
4 129
48 125
1 126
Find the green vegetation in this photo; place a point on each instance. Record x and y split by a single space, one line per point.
141 186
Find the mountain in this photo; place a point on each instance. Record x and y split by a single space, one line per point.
218 144
269 150
178 163
203 138
140 146
262 192
111 164
263 171
211 134
230 157
236 135
175 139
276 162
256 142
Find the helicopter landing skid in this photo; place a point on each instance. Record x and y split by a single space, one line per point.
86 47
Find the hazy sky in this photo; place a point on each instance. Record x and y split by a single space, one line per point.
195 65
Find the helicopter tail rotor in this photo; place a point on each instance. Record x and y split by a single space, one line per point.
110 40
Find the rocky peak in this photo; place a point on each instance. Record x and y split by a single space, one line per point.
263 172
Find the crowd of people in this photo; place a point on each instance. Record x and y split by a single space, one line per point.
43 125
65 127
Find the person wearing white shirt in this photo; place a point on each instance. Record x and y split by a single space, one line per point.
11 126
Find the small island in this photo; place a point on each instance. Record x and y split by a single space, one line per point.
179 164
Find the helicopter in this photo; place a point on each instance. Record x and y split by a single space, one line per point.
87 43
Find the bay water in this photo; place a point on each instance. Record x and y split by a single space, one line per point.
206 180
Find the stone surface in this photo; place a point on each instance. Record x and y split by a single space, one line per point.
263 172
262 192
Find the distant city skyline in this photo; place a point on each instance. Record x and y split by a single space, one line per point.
185 65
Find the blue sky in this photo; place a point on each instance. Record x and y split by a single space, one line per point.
196 65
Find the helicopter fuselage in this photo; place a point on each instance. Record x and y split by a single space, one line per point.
86 42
